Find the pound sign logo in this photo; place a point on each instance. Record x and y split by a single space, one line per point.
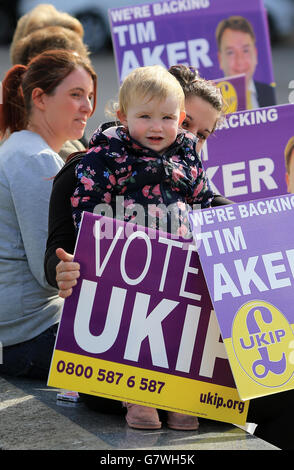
261 336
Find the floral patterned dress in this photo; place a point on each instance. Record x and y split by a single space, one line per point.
138 184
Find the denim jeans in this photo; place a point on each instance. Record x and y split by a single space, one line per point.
31 358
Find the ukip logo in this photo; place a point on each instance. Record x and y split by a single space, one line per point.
261 336
230 96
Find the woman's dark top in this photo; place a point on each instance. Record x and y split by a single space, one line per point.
61 229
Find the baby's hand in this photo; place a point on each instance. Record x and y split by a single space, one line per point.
67 273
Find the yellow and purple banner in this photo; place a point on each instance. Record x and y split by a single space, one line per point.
244 159
247 254
140 326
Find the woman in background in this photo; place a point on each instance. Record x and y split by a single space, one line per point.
44 104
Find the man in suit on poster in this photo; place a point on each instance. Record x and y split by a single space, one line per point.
237 54
289 163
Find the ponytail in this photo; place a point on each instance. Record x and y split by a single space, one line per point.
13 116
45 71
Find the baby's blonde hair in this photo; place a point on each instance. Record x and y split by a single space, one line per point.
152 81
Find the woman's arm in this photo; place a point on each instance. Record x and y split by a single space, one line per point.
61 229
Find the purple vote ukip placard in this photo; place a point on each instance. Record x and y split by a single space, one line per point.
139 326
124 267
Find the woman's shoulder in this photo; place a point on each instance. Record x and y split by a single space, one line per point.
105 143
27 148
25 143
70 147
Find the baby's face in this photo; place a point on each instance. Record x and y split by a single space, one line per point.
153 123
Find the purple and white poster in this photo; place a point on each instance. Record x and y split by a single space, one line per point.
244 159
139 326
247 255
205 34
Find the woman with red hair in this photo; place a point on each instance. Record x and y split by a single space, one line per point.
44 104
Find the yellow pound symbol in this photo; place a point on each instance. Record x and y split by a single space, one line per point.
260 336
291 355
230 96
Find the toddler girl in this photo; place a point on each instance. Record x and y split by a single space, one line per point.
147 161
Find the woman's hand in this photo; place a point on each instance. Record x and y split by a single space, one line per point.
67 273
